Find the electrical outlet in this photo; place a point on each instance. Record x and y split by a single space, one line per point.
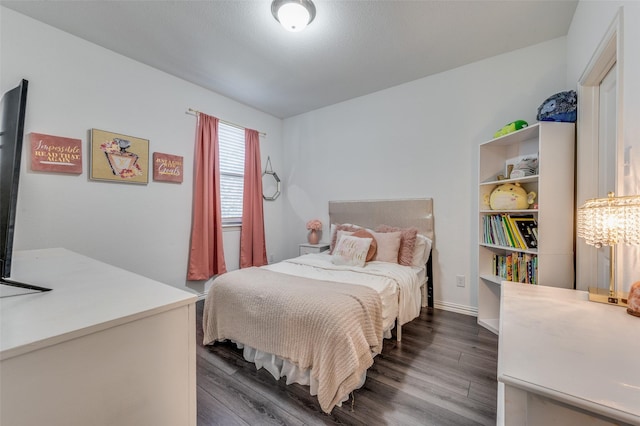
460 282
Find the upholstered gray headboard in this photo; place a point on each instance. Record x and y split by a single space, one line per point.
403 213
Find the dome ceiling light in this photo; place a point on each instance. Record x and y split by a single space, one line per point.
293 15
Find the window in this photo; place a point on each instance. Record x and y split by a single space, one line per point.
231 142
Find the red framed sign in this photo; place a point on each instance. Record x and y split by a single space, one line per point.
55 154
167 167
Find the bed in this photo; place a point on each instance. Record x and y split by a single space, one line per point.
319 320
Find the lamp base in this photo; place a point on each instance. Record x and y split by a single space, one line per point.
601 295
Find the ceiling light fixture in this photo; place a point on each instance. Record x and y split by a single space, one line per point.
294 15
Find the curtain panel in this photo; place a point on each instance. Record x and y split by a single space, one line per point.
206 254
253 251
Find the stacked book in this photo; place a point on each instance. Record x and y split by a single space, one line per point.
517 267
519 232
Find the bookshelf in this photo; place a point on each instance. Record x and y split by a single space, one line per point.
552 209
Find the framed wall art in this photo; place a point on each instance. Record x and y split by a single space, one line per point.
55 154
167 167
119 158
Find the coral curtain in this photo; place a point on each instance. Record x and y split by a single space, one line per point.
206 256
253 251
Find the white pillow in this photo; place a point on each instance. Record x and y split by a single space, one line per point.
341 234
421 251
351 251
334 228
388 246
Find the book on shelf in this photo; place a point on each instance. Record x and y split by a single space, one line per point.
516 233
494 232
528 228
507 232
517 267
519 232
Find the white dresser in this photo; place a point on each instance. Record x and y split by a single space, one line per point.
563 360
104 347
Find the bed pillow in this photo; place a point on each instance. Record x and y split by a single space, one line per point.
421 251
340 234
388 246
373 248
340 227
407 242
351 251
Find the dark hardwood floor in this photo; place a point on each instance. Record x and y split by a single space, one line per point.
442 373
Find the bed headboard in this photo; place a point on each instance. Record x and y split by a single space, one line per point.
403 213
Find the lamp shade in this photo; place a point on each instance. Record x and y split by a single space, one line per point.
293 15
609 221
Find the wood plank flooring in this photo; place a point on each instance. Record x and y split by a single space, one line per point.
442 373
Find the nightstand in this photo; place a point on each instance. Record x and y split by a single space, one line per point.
306 248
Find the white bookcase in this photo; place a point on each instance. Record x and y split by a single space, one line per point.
553 208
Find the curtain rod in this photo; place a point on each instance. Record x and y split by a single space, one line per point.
195 111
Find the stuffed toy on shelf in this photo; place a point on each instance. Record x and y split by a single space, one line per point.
509 196
510 128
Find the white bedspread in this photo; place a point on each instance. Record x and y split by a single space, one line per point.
388 279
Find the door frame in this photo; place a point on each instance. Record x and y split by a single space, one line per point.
608 53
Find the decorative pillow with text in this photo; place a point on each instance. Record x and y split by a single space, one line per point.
373 248
334 235
351 251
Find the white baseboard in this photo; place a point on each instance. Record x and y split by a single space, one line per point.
454 307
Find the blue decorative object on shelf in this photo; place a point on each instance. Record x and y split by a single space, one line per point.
562 106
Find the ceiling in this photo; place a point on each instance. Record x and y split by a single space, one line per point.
352 48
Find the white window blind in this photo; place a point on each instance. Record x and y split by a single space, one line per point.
231 142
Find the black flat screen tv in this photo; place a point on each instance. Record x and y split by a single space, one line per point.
13 106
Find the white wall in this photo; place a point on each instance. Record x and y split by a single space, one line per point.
75 86
414 140
418 139
588 27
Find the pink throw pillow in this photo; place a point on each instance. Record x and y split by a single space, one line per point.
407 243
388 246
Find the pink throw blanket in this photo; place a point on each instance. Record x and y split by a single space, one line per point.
333 329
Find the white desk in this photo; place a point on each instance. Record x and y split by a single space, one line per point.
105 347
563 360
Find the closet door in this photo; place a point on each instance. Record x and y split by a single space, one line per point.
607 161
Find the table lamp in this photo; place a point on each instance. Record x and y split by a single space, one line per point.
608 222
